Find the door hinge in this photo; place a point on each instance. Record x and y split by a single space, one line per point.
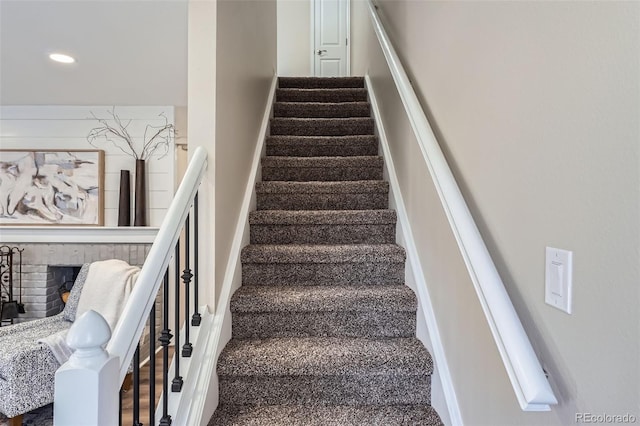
346 41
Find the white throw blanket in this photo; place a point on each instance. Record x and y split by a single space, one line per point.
106 291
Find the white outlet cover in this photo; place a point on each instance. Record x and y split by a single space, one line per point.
558 278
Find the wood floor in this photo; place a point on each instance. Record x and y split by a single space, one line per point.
127 397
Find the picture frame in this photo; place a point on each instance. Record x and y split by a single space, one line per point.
51 187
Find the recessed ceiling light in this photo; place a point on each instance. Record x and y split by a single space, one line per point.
59 57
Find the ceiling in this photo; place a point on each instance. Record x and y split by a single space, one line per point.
128 52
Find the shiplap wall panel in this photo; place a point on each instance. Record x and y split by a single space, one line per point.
45 128
67 127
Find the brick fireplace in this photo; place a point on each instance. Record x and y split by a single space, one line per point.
45 267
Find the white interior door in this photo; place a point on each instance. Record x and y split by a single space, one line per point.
331 38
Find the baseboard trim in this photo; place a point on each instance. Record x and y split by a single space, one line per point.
415 268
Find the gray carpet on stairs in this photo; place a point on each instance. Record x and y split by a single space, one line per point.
323 325
322 226
321 109
322 146
304 169
320 82
354 195
334 415
321 95
321 126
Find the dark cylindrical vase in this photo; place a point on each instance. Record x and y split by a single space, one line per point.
141 195
124 204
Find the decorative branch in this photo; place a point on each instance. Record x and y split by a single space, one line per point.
112 130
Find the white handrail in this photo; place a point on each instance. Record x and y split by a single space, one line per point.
132 321
527 377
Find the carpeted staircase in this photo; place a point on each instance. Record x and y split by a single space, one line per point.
323 325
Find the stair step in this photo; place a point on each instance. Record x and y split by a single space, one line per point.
289 299
338 311
324 356
321 95
320 82
318 146
321 109
335 415
350 264
323 254
304 169
322 226
348 195
322 126
325 370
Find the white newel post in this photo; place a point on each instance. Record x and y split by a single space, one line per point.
86 386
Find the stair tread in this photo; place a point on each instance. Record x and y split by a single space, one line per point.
310 146
322 104
317 415
284 82
342 187
320 140
322 94
308 162
322 126
324 356
316 217
314 253
322 109
323 89
323 298
321 119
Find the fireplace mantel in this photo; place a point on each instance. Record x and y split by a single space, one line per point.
77 234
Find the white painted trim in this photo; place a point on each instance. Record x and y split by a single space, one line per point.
413 259
232 277
527 377
77 235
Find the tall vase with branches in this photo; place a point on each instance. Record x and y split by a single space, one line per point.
155 142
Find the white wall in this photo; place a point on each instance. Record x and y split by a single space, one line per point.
536 106
294 38
201 118
232 61
201 133
67 127
246 50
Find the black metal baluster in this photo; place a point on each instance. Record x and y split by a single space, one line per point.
176 384
165 339
136 387
152 365
120 408
196 319
187 349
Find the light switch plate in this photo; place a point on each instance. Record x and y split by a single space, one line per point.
558 278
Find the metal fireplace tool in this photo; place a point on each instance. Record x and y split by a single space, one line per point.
9 307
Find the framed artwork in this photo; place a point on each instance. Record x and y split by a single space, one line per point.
51 187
